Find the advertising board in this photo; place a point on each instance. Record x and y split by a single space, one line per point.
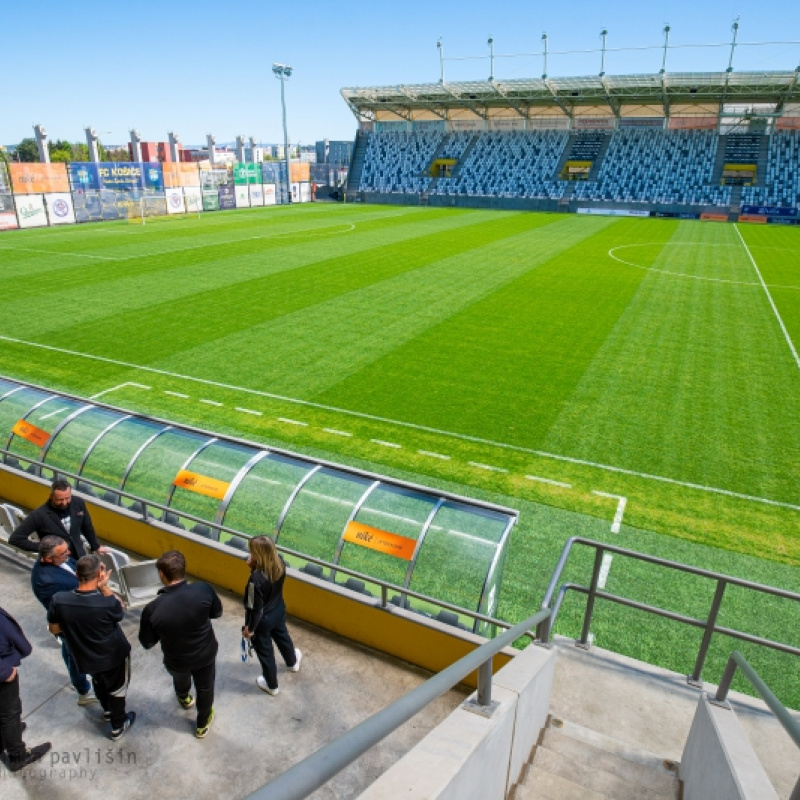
59 208
30 210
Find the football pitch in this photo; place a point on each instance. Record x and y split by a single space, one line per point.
631 380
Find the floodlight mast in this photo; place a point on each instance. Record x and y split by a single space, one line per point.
283 73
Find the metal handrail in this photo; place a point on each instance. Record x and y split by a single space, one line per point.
789 723
318 768
148 518
709 625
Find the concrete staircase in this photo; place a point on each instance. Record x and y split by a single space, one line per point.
357 164
598 161
571 762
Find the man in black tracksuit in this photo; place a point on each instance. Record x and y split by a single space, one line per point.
180 618
62 515
89 618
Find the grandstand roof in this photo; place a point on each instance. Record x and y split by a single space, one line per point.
568 95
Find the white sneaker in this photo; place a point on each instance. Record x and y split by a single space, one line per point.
262 684
298 657
86 699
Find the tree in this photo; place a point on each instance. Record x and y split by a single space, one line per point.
28 151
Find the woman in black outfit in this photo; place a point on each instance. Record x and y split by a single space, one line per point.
265 612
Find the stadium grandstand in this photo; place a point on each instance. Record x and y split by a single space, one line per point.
665 143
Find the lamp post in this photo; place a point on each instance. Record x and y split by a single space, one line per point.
283 73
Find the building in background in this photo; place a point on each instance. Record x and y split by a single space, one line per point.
156 151
338 152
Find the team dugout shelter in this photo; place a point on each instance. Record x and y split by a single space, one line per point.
435 543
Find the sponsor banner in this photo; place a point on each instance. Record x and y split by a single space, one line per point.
257 195
211 201
39 178
641 122
305 192
175 204
5 183
242 196
391 127
548 124
788 123
593 123
758 219
212 179
770 211
271 171
201 484
84 177
467 125
30 432
783 221
300 171
192 199
692 123
674 215
180 174
227 197
710 216
269 194
91 205
295 192
614 212
59 208
8 216
507 124
245 173
381 541
116 176
428 125
30 210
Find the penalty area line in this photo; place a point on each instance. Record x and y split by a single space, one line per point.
414 426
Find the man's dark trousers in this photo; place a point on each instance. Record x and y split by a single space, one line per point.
203 684
11 720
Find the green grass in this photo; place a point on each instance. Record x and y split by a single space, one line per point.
635 357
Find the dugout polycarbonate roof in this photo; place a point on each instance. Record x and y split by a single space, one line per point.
431 542
566 95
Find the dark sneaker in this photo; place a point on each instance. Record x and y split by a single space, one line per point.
201 733
186 702
120 732
32 754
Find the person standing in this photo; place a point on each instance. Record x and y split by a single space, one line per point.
180 618
265 612
62 515
89 618
54 572
13 648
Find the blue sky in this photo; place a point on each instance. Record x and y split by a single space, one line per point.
205 67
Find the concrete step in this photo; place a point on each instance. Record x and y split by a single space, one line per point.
542 785
651 776
586 774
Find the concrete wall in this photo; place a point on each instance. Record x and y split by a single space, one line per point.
469 755
719 762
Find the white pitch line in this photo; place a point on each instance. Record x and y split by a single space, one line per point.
427 429
486 466
605 568
55 413
621 503
769 296
61 253
550 481
211 402
292 421
177 394
336 432
433 455
386 444
250 411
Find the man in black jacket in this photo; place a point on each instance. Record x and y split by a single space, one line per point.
13 648
89 617
62 515
55 572
180 618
